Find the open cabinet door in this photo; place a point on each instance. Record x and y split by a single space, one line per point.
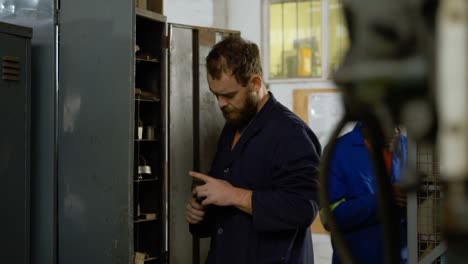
95 131
195 123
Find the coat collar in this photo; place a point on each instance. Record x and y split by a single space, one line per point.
357 139
256 125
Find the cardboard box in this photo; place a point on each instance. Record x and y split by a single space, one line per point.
141 4
155 6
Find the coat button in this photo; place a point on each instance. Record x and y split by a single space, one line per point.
226 170
220 231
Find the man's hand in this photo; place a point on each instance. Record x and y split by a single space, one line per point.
194 212
214 191
399 196
221 193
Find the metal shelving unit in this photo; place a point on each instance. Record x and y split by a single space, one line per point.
149 234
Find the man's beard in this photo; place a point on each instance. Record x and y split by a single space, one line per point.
242 116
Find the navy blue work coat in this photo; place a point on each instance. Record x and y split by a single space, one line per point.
277 157
351 181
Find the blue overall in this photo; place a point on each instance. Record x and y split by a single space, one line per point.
351 181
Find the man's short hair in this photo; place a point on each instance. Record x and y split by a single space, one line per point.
235 56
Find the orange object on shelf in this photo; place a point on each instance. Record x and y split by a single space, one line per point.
305 62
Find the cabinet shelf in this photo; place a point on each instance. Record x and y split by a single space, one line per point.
145 180
144 220
146 140
150 259
150 15
145 96
139 99
155 61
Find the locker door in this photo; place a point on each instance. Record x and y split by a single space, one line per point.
95 131
15 59
40 16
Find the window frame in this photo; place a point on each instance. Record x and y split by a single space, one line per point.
265 38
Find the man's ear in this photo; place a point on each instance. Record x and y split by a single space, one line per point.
255 82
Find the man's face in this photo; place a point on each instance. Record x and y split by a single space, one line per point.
237 102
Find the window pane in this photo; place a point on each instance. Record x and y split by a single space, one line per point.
338 33
289 34
295 39
316 37
276 40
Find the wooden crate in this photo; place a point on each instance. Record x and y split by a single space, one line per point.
151 5
155 6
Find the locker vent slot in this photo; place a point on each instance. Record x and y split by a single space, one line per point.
10 68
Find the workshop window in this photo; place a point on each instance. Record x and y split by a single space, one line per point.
306 38
337 33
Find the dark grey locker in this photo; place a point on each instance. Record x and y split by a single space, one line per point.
40 16
15 90
95 131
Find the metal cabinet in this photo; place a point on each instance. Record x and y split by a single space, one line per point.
15 148
149 173
171 95
89 203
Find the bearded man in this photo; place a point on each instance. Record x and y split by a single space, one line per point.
260 197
